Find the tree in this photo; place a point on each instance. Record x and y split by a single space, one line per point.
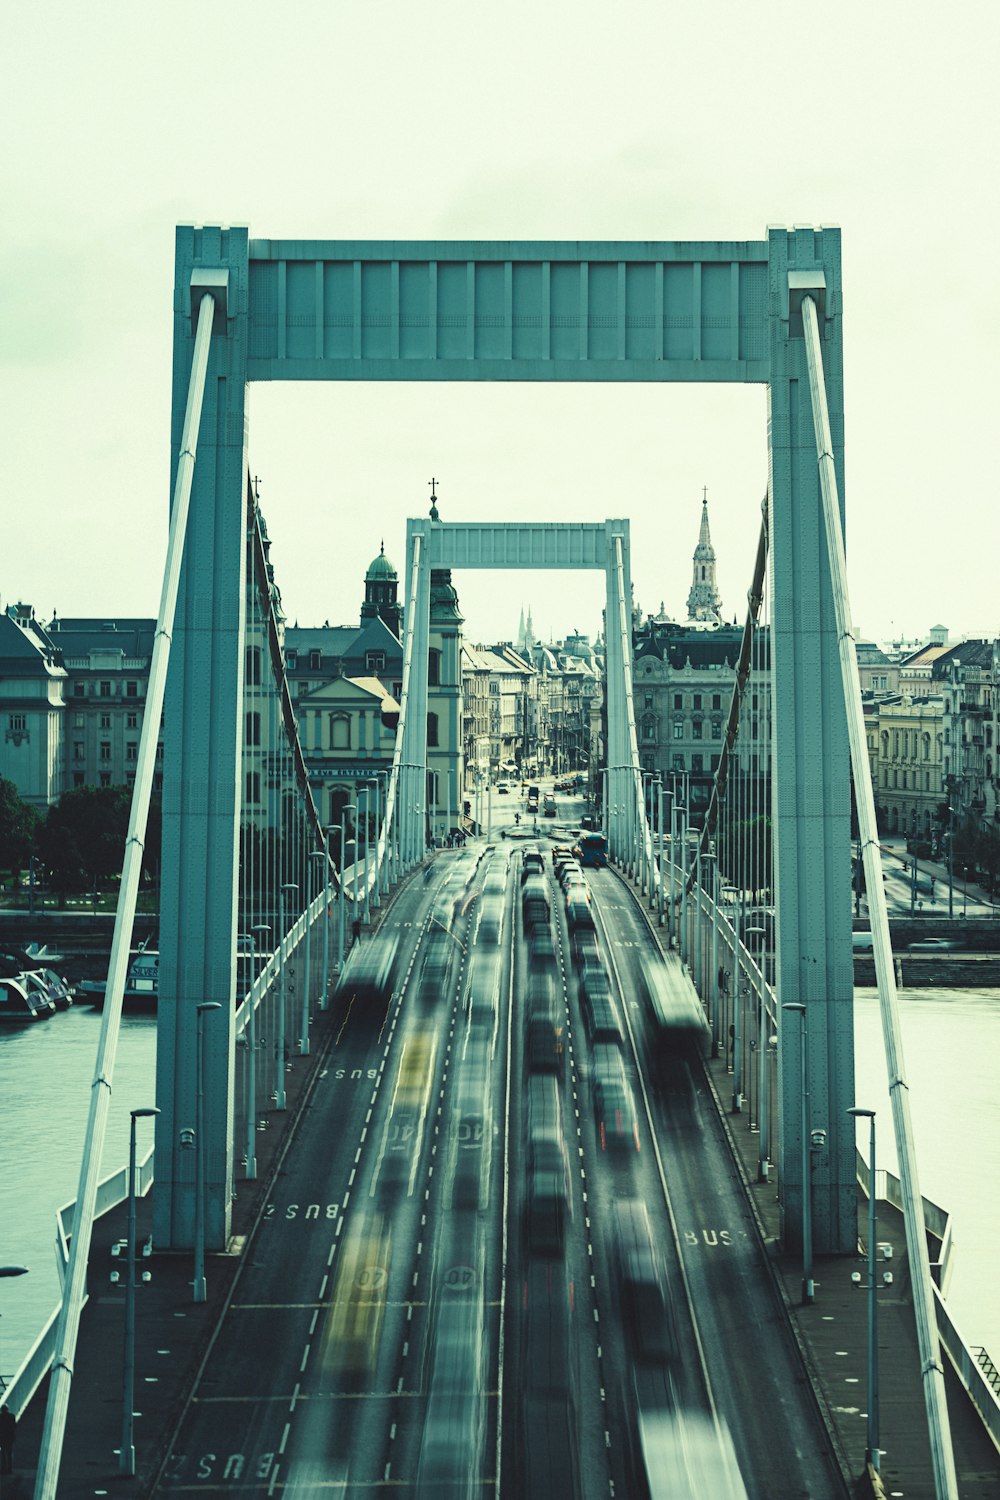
82 841
18 827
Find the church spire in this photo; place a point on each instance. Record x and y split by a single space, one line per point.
704 600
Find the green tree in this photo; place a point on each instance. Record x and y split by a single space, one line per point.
82 841
18 827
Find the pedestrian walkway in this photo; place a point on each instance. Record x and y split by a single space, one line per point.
173 1333
832 1333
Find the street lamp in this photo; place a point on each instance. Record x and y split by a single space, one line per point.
872 1454
314 854
200 1287
251 1035
279 1101
325 999
808 1286
348 807
126 1456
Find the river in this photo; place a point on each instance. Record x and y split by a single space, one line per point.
951 1046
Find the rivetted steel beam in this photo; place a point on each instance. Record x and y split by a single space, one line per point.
932 1372
75 1279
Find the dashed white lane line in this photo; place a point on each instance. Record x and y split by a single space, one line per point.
388 1466
312 1325
295 1396
305 1356
322 1286
350 1180
329 1258
274 1479
284 1437
392 1433
357 1156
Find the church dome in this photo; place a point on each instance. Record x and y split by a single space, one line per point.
381 569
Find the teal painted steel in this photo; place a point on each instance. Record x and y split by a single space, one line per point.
534 311
528 544
202 748
524 310
810 755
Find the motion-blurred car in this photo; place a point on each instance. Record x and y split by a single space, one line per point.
614 1115
933 945
642 1282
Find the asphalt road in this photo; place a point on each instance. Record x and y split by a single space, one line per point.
403 1324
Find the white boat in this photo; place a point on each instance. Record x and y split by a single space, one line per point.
21 1001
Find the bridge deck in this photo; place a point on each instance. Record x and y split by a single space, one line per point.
174 1335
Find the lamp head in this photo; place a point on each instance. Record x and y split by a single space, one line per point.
143 1114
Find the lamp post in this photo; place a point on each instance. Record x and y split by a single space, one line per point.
279 1100
261 927
872 1454
381 804
200 1286
808 1286
314 854
325 998
347 808
126 1455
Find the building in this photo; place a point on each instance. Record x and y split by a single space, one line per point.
968 678
682 681
704 600
107 663
32 706
475 715
908 770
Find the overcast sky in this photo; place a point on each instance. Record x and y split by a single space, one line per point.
544 120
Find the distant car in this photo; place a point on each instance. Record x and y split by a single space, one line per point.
933 945
503 790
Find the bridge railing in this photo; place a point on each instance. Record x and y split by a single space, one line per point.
34 1367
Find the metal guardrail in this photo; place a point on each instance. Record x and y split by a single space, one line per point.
33 1369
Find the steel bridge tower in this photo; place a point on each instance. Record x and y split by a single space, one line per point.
576 311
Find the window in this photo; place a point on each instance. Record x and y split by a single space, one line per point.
648 700
678 762
105 721
105 778
649 730
715 763
18 723
253 729
158 783
78 721
104 690
375 661
252 797
78 752
79 690
252 665
696 730
678 729
697 700
132 721
696 763
131 690
315 661
78 778
340 732
434 669
678 701
159 751
716 701
105 751
131 750
717 729
432 729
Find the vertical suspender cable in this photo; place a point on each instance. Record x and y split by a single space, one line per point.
945 1481
100 1097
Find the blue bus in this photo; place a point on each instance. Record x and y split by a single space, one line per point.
592 850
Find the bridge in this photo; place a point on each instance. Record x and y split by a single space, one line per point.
472 1273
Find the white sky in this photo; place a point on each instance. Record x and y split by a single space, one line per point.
647 120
